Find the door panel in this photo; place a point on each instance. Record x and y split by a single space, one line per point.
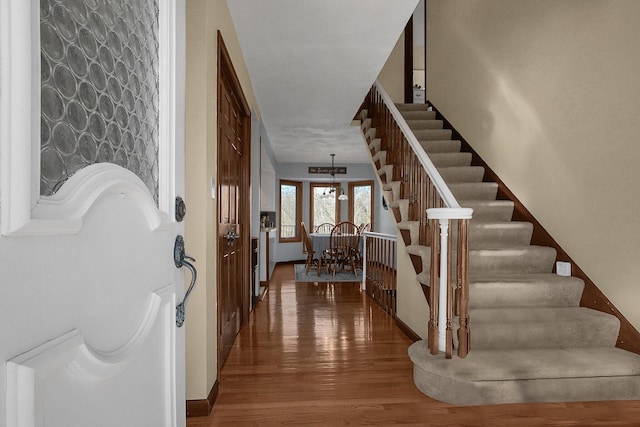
231 250
88 284
233 206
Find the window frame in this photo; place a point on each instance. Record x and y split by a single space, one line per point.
297 235
312 186
352 186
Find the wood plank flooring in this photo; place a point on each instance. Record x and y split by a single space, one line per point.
325 354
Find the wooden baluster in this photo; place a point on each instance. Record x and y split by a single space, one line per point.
462 288
448 333
434 289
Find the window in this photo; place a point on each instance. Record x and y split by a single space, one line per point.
324 205
361 202
290 211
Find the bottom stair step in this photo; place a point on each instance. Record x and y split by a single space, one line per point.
537 375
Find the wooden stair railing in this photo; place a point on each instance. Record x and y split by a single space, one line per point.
379 267
434 208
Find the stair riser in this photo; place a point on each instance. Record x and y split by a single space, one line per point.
419 115
461 174
482 235
427 134
474 191
494 295
567 334
435 146
424 124
529 260
490 213
444 160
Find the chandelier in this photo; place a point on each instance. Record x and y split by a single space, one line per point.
332 182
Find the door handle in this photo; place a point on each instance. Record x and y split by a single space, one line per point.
231 236
180 259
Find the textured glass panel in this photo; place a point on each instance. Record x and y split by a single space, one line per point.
99 96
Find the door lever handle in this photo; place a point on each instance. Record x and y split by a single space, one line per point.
231 236
180 260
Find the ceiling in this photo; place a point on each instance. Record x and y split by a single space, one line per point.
311 63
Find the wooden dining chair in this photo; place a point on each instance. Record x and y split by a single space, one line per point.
364 227
343 247
325 228
307 249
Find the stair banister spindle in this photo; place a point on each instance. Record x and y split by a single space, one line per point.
433 290
443 215
462 288
424 188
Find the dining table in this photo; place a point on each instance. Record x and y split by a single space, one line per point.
320 241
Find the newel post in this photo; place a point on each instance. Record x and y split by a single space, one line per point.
441 309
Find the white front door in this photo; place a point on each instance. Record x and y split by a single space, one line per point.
91 162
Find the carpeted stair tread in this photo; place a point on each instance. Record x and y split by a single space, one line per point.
439 134
441 160
474 190
511 259
412 107
524 290
506 233
459 174
433 146
419 250
489 210
490 365
530 339
425 124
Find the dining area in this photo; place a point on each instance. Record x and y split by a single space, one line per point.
332 248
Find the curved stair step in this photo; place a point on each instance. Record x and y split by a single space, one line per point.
487 377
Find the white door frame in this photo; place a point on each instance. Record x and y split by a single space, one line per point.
25 213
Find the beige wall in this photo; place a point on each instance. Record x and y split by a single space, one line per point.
411 305
548 93
392 74
204 19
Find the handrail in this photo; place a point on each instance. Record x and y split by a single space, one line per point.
444 191
402 160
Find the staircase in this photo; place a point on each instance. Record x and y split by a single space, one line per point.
530 339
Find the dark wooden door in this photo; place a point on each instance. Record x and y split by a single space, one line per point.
233 205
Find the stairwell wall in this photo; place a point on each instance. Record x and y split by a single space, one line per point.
547 93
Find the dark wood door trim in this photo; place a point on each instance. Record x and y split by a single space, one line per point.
227 73
408 61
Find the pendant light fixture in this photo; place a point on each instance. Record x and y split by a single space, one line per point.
332 182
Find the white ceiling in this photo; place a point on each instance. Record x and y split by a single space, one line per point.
311 63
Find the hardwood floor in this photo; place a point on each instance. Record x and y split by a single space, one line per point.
325 354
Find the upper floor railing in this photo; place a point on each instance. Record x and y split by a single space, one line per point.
433 206
379 275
